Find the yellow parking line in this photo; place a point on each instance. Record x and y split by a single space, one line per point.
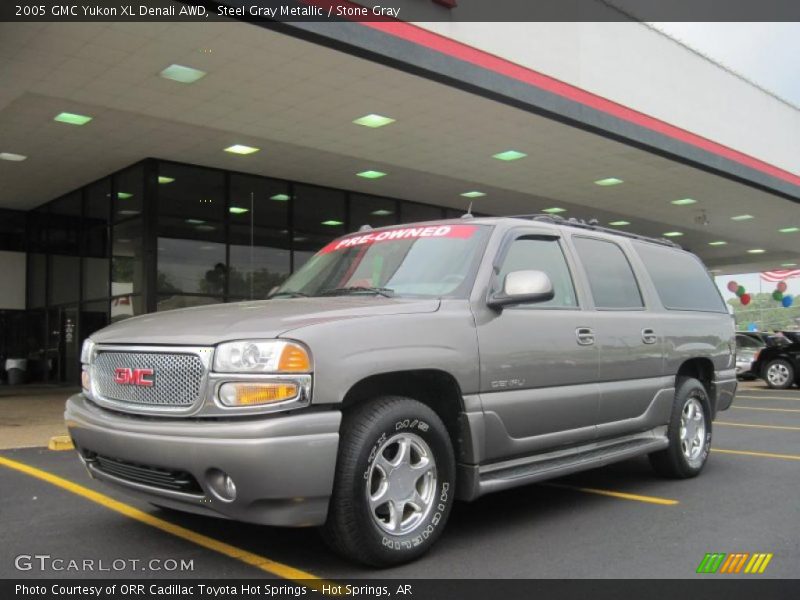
768 398
260 562
791 410
761 454
729 424
613 494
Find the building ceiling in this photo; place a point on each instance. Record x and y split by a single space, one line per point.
296 101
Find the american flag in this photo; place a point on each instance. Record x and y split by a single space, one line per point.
780 275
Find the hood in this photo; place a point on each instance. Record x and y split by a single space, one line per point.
208 325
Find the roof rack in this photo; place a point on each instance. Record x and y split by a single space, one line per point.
593 225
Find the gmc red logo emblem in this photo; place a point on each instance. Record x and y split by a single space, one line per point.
138 377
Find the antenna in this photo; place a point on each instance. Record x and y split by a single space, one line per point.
468 214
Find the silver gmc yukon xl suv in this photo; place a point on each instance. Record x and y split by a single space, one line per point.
406 367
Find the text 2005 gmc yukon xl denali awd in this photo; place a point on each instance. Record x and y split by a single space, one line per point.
405 367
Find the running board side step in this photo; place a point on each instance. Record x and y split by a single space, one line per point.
476 481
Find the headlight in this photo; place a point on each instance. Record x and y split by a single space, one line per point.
86 351
262 357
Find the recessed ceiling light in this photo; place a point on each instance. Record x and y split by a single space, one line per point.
554 210
128 212
331 223
72 118
789 229
717 243
205 227
238 210
473 194
163 179
195 221
742 218
124 195
672 234
371 174
12 157
788 264
300 238
208 247
373 121
280 197
619 223
241 149
608 181
123 240
756 251
509 155
182 74
382 212
684 202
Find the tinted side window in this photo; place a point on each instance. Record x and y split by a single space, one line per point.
610 275
680 278
527 253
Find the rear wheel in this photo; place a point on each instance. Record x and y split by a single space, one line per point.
779 374
394 484
689 433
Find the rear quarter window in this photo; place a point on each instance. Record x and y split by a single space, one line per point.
681 280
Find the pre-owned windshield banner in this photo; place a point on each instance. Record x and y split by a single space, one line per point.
402 233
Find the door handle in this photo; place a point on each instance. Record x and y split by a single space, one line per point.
649 336
585 336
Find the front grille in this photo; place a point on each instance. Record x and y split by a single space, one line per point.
176 378
157 477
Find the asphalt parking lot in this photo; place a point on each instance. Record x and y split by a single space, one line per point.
616 522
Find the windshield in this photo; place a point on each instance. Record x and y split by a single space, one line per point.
435 260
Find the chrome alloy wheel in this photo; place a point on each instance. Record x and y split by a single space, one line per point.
693 429
401 483
778 374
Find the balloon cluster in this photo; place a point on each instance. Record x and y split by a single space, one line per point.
780 295
740 292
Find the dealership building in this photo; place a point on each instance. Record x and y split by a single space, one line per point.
153 166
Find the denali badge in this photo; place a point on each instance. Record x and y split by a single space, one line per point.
139 377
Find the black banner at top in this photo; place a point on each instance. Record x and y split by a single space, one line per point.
402 10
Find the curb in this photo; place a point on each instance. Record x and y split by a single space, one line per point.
60 442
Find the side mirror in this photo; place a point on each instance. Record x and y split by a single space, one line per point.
521 287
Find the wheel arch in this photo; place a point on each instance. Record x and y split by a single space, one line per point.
702 369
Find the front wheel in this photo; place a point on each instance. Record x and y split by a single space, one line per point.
689 433
394 485
779 374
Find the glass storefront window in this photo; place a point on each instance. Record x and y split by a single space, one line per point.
411 212
191 266
259 236
123 307
64 225
319 217
37 280
194 193
372 210
64 277
128 197
12 230
126 261
94 316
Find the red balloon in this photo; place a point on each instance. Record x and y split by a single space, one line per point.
781 286
745 299
733 286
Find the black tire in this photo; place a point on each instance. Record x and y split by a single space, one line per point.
786 368
673 462
353 529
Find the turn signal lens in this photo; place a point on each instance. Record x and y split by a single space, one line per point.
255 394
294 359
85 379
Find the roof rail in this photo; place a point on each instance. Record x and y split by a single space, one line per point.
593 225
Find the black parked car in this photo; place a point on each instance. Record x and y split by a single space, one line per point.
779 365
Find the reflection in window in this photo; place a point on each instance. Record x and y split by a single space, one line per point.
318 219
180 301
64 279
529 253
123 307
37 278
128 197
411 212
372 210
64 230
191 266
126 262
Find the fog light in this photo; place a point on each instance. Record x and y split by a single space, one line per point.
85 380
255 394
222 485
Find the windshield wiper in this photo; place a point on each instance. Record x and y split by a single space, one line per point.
289 294
387 292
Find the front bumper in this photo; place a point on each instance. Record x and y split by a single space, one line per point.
283 466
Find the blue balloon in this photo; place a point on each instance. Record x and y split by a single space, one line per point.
787 301
752 327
